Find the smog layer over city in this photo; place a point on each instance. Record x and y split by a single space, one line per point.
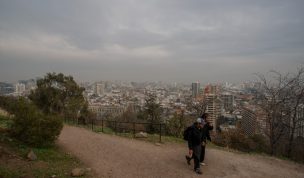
133 88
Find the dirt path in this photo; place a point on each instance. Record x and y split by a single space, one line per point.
117 157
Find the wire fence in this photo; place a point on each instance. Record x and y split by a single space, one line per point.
140 130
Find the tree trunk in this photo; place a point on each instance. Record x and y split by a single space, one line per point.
290 142
271 149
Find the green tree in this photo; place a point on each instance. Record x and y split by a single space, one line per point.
153 111
177 124
30 125
59 94
8 103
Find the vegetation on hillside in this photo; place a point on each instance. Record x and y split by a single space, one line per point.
37 121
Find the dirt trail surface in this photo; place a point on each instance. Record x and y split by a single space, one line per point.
117 157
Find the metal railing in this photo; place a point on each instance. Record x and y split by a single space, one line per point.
130 129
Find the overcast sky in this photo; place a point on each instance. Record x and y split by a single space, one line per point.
150 40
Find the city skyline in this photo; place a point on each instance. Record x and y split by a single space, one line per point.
132 40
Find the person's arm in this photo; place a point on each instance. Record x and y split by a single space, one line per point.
190 140
204 136
210 127
208 135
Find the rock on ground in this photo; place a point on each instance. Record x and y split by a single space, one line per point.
141 135
32 156
77 172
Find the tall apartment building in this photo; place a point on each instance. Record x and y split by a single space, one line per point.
195 89
214 103
214 108
212 89
249 121
253 121
228 101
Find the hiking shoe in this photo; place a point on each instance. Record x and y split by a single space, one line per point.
188 160
203 164
198 171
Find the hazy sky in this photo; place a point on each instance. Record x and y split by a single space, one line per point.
159 40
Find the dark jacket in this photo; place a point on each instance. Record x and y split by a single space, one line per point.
195 137
206 131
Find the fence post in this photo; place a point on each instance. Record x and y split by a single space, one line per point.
133 129
160 132
101 125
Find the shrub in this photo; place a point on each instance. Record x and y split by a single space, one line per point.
236 139
34 128
297 153
220 140
176 125
258 143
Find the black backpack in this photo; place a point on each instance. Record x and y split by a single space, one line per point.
187 132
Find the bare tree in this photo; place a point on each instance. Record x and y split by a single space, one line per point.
296 100
272 96
280 97
197 106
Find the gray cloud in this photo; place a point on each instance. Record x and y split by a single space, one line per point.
178 40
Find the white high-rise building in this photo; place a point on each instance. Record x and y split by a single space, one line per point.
99 89
19 88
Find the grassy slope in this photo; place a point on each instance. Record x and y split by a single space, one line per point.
51 161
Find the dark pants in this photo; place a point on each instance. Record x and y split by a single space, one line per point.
196 162
196 156
202 157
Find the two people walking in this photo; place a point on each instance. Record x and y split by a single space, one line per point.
197 137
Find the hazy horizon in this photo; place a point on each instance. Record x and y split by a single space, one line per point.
133 40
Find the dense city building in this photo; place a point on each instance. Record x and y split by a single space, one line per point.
195 89
6 88
106 110
226 122
113 98
253 120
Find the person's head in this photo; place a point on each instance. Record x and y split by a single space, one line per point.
205 116
200 123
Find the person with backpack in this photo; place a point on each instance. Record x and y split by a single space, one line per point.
206 131
195 136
